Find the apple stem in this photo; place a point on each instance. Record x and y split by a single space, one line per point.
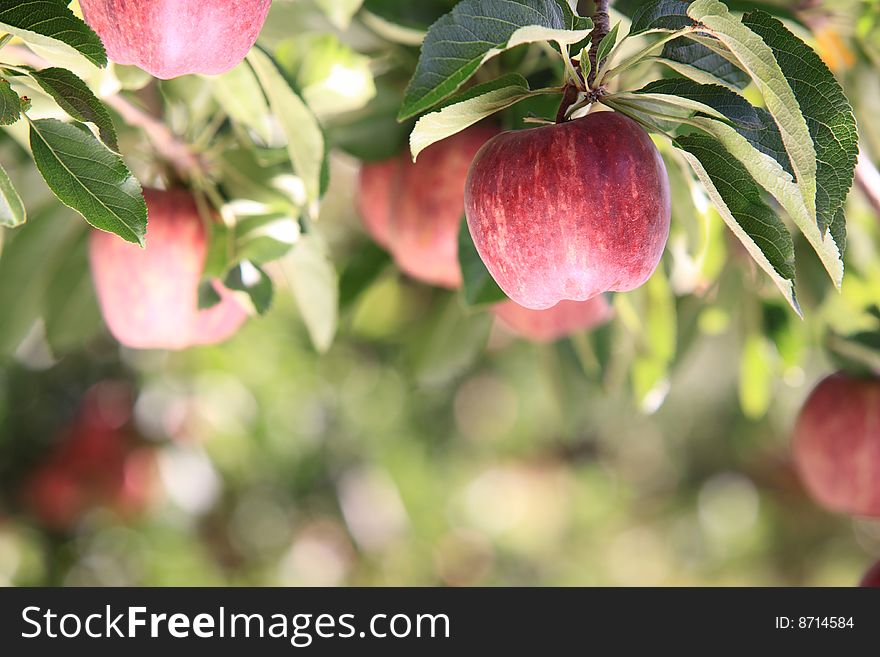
601 27
569 97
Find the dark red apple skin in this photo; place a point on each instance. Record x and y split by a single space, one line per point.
414 209
149 297
96 462
563 319
169 38
569 211
871 579
836 444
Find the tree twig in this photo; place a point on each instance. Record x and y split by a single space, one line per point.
174 150
168 145
601 26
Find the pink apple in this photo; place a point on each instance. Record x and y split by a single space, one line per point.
569 211
414 209
149 297
837 444
563 319
169 38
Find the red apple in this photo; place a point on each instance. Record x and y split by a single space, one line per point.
837 444
149 297
872 577
563 319
569 211
168 38
414 209
95 463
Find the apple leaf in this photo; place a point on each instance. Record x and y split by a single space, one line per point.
606 45
660 16
305 139
827 112
756 376
28 259
753 123
74 97
10 103
314 283
759 61
479 286
88 177
240 96
449 343
70 310
340 12
362 268
12 210
744 136
249 278
474 32
737 198
700 63
470 107
51 25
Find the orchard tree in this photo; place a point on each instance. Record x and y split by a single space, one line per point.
563 166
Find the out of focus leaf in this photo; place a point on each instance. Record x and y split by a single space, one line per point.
12 210
314 283
478 285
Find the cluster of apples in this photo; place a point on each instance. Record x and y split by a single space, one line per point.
559 214
96 462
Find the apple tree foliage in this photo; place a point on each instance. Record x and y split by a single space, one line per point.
750 121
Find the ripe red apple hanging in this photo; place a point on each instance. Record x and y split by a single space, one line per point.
149 297
414 209
837 444
169 38
569 211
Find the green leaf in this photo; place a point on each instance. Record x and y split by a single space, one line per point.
660 16
12 210
26 268
738 199
74 97
606 45
470 107
761 166
756 376
88 177
70 310
313 281
305 140
825 107
340 12
697 61
52 25
585 63
363 267
758 60
249 278
241 97
10 104
479 286
753 123
477 30
449 343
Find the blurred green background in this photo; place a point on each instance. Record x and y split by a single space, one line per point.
428 446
